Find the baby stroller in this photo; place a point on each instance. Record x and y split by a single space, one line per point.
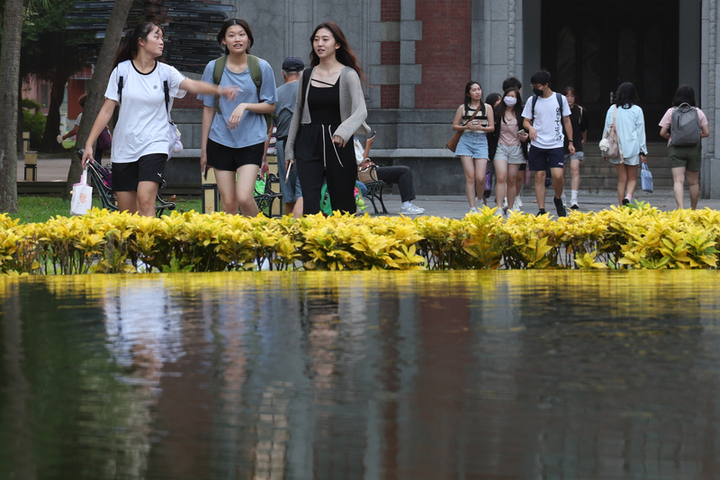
102 181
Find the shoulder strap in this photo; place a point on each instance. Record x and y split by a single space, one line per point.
217 76
559 97
121 79
256 75
166 87
534 101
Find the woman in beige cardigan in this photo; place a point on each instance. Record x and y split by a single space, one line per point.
330 109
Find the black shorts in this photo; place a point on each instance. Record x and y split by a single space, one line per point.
540 159
230 159
149 168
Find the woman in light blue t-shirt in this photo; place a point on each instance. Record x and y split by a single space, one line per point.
233 138
630 126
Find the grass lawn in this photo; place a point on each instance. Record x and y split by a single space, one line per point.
41 209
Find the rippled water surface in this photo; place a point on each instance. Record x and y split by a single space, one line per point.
430 375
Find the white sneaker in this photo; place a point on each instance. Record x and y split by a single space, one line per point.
500 212
518 201
564 200
473 210
411 210
505 202
516 204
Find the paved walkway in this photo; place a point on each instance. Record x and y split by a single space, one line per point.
454 206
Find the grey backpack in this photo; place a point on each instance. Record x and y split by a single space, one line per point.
684 126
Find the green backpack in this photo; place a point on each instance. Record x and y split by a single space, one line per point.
255 74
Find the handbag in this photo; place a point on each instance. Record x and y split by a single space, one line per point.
453 142
368 173
104 141
81 196
646 178
610 144
175 145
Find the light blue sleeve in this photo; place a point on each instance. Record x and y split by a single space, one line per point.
268 90
208 100
640 126
608 120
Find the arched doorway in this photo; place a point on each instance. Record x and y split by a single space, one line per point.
595 46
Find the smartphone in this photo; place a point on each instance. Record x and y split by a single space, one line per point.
204 171
522 132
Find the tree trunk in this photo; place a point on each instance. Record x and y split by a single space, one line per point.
52 123
9 79
98 84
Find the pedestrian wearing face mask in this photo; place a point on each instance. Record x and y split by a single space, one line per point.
511 150
545 114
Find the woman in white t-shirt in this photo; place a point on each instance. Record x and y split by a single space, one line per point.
685 160
142 134
234 139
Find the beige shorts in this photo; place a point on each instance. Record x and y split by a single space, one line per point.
511 153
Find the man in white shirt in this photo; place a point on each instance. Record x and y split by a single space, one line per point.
544 116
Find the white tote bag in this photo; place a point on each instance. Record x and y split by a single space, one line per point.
82 196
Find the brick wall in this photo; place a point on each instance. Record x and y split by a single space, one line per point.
189 101
444 52
390 54
390 11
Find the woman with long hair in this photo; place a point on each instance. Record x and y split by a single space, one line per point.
329 110
511 150
685 160
473 145
234 131
630 125
144 88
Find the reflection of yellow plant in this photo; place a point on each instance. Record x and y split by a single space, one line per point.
639 237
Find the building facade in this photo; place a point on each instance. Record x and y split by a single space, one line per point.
419 54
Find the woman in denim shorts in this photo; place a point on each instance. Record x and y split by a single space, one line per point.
473 145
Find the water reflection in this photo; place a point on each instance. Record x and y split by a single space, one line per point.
360 375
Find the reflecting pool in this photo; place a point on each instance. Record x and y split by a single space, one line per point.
429 375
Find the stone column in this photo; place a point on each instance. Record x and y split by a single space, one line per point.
497 42
710 170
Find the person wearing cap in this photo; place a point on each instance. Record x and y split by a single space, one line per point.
292 67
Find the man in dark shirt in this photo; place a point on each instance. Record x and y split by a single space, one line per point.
292 68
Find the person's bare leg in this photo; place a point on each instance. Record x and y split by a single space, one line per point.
289 207
540 188
469 170
245 189
622 181
480 170
558 180
298 209
501 175
146 195
575 174
631 179
678 174
693 179
226 188
511 183
127 201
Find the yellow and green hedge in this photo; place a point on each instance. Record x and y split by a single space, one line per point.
103 242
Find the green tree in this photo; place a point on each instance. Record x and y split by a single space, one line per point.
98 84
50 51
